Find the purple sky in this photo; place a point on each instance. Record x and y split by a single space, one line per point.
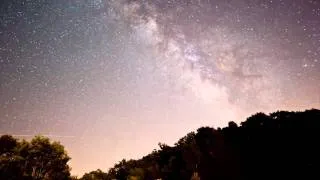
112 78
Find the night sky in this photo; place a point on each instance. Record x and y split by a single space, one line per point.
110 79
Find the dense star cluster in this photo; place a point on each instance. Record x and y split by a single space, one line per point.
109 72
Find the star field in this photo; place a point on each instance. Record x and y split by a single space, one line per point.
112 78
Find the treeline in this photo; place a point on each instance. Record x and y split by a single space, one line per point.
37 159
281 145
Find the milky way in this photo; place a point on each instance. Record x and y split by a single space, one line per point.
111 79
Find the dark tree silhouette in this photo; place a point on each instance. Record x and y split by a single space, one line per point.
95 175
38 159
281 145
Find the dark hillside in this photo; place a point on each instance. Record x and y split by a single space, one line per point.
280 145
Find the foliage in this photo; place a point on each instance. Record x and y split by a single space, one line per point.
37 159
95 175
281 145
